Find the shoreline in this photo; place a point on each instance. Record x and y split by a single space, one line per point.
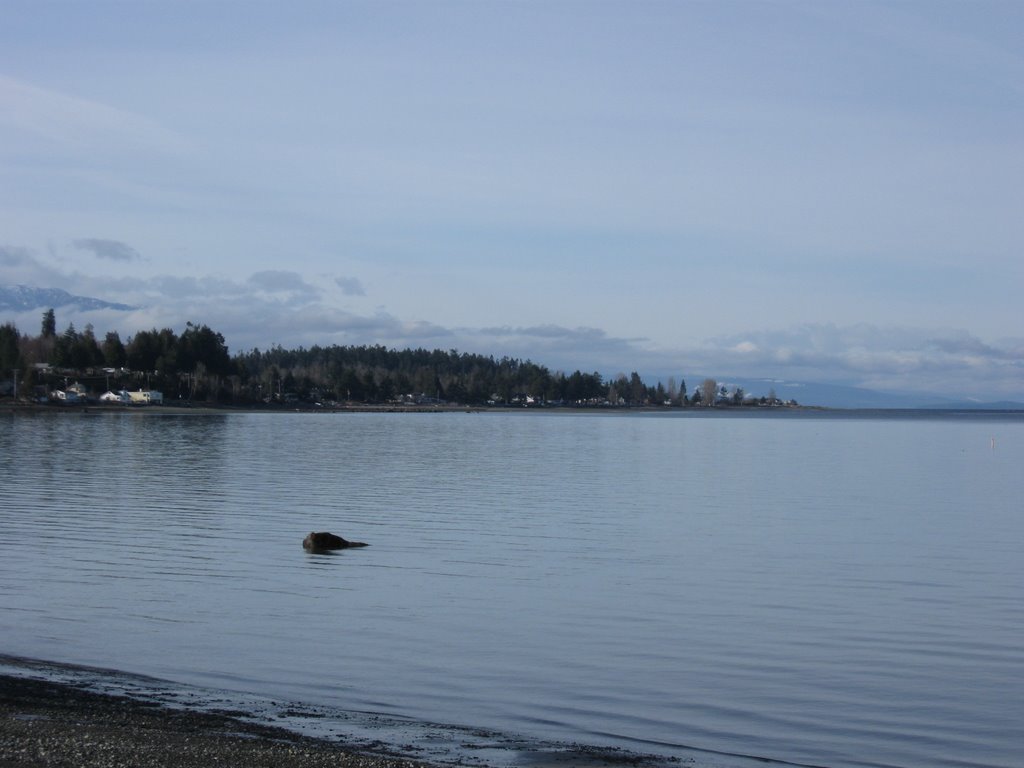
782 412
209 408
198 407
54 714
48 723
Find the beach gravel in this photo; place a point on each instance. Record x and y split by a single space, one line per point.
45 723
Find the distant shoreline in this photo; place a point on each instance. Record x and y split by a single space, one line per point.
208 409
202 408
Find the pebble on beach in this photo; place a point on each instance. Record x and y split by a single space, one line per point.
45 724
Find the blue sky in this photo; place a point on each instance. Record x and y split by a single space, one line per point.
826 191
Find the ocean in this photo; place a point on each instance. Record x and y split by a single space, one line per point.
816 588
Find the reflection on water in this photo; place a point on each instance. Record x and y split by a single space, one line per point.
832 591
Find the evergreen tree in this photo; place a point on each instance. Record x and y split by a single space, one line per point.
88 353
113 350
49 329
199 363
200 344
64 348
637 390
10 349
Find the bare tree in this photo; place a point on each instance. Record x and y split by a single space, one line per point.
708 392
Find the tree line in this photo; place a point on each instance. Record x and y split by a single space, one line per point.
196 365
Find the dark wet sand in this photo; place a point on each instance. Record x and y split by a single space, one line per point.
53 724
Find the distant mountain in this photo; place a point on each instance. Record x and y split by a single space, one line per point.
824 395
841 396
24 298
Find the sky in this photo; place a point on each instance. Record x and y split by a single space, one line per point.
822 191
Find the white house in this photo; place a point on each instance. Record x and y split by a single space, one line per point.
146 397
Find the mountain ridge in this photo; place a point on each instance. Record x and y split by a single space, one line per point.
23 298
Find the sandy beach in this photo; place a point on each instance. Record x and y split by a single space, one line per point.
45 723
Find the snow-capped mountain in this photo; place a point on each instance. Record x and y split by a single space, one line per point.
23 298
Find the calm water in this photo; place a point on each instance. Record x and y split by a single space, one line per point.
833 591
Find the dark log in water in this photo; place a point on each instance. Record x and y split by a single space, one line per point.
324 542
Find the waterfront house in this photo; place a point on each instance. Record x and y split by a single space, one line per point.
65 397
146 397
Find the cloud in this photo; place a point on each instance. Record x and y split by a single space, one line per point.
21 266
173 287
350 286
114 250
288 286
75 123
561 348
280 307
963 343
745 347
545 332
15 257
948 362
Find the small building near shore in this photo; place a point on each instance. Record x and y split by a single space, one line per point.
146 397
66 397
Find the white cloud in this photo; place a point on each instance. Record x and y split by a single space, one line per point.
938 361
76 123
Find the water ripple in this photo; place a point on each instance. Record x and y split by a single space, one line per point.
841 592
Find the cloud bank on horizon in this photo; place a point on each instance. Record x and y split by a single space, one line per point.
794 190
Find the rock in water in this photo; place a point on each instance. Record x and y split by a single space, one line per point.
324 542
